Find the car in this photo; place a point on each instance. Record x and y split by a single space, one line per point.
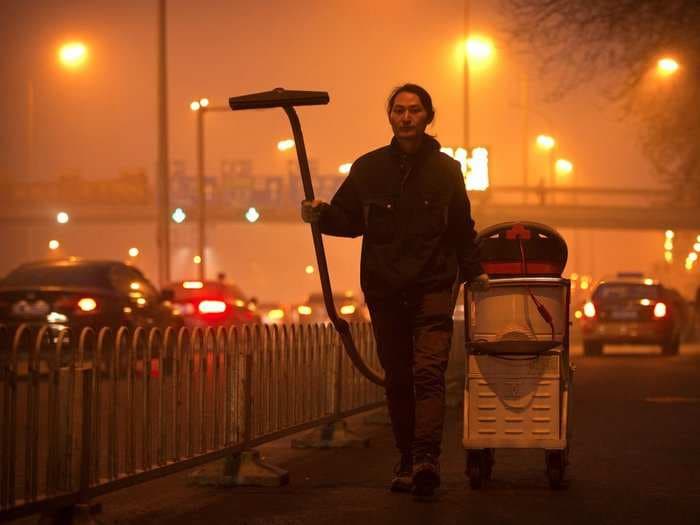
313 310
632 309
76 293
274 313
212 304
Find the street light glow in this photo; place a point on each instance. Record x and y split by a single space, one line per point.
62 217
667 66
194 105
344 169
669 234
133 252
54 244
309 269
72 55
252 215
479 48
204 102
545 142
179 215
563 167
285 145
197 259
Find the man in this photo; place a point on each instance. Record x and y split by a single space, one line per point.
409 203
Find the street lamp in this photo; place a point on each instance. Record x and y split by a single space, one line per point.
201 107
62 217
563 167
667 66
478 52
72 55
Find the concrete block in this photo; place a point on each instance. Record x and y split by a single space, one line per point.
332 435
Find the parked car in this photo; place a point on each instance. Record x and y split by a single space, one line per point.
632 309
78 293
313 310
275 313
212 303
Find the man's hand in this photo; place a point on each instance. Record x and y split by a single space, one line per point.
480 283
311 210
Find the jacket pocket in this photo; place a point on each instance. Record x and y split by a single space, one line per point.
380 220
430 217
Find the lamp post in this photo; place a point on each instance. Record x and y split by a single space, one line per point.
201 107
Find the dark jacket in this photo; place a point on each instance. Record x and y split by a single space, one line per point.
414 215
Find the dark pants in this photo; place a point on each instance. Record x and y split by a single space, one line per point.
413 334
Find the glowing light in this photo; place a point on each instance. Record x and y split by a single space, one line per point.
275 314
589 309
133 252
126 309
54 244
135 286
667 66
344 169
204 102
192 285
645 302
252 215
668 244
212 307
309 270
72 55
87 304
285 145
578 314
194 105
304 310
197 259
668 256
648 281
696 246
141 301
688 265
62 217
669 234
693 256
239 302
179 215
479 49
563 167
659 310
574 276
347 309
56 317
478 174
585 284
545 142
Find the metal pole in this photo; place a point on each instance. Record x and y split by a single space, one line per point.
526 132
465 79
163 184
202 197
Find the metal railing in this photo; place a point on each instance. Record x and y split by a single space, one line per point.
85 414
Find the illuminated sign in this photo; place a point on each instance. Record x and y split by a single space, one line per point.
474 164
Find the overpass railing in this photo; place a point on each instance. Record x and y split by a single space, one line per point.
85 414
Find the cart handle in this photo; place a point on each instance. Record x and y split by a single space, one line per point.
281 98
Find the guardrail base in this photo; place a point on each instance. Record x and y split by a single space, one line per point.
80 514
378 417
331 435
243 469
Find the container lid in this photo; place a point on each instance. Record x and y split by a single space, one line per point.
522 249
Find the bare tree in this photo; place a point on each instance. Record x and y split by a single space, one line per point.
618 43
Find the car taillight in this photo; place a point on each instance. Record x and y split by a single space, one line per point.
304 310
87 304
659 310
275 314
347 309
589 309
212 307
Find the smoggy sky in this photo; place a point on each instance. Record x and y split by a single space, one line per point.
102 119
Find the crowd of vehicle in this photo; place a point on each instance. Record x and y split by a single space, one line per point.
628 308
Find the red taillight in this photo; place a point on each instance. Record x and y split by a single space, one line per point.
659 310
589 309
212 307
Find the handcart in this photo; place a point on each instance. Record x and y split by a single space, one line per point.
518 375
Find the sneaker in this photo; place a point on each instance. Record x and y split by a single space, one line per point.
403 475
426 475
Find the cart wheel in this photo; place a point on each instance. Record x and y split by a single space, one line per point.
556 465
475 468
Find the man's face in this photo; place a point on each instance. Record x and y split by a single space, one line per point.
408 117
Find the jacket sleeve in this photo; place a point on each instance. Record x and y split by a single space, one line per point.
343 217
461 227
